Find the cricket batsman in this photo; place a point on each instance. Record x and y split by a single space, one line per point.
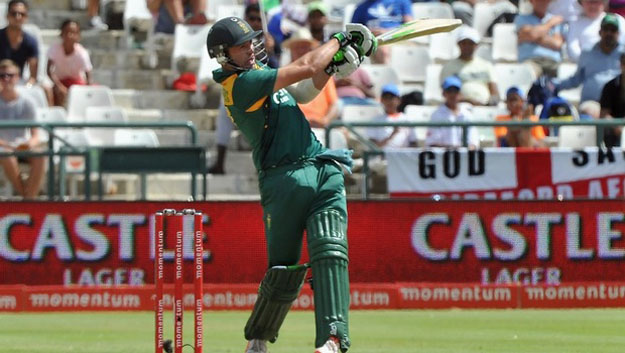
301 182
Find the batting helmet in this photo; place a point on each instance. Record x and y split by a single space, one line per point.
226 33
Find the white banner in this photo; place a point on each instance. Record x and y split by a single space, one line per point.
590 163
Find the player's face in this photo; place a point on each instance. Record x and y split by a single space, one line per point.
242 55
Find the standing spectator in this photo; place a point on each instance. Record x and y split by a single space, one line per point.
613 106
392 136
68 62
477 75
172 12
598 65
451 111
13 107
93 11
356 89
17 45
540 39
381 16
583 33
317 20
518 110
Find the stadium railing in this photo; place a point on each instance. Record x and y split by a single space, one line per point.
84 151
373 150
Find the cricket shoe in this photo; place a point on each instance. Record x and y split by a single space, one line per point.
256 346
332 345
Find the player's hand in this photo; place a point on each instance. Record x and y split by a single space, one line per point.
345 62
363 38
344 38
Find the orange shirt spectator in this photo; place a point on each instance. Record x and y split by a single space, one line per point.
322 110
518 109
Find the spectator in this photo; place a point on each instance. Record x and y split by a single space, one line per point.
356 89
317 20
13 107
584 32
569 10
540 39
598 65
392 136
95 21
451 111
17 45
68 62
380 16
224 123
477 75
518 110
613 106
172 12
589 110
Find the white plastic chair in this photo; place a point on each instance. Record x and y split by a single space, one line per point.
484 13
487 133
420 113
361 113
104 136
381 75
136 137
189 43
577 136
443 46
81 97
410 61
432 10
566 70
49 115
35 93
508 75
212 7
230 10
204 75
505 42
432 92
348 13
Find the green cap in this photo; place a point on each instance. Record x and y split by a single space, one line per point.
318 6
229 32
609 19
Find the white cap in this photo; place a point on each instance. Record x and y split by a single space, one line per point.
466 32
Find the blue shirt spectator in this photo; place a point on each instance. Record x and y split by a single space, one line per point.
528 50
382 14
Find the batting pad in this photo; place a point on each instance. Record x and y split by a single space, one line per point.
327 247
277 291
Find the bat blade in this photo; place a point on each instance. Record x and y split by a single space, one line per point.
418 28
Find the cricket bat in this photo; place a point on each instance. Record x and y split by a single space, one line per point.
418 28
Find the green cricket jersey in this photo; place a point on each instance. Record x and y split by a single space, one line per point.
271 121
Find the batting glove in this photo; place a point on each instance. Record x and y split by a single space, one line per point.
344 38
365 40
344 62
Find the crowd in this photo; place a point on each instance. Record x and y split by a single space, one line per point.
588 33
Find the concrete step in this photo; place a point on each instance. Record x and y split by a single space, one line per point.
129 59
152 99
50 4
203 119
135 79
52 18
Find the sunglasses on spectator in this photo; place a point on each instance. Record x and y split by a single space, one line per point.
16 13
6 75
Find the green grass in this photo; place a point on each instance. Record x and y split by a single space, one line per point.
441 331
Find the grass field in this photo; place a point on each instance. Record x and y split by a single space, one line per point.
442 331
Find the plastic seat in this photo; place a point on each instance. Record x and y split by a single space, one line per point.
566 70
49 115
432 10
212 8
361 113
505 42
577 136
189 43
136 137
35 93
230 10
420 113
443 46
410 61
484 13
432 92
508 75
104 136
381 75
81 97
204 75
486 134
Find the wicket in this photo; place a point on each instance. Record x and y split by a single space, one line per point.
175 222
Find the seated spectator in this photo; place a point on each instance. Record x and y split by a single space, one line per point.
557 109
540 39
569 10
392 136
613 106
68 62
477 75
583 33
317 20
380 16
451 111
17 45
356 89
598 65
172 12
589 110
93 11
518 110
13 107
